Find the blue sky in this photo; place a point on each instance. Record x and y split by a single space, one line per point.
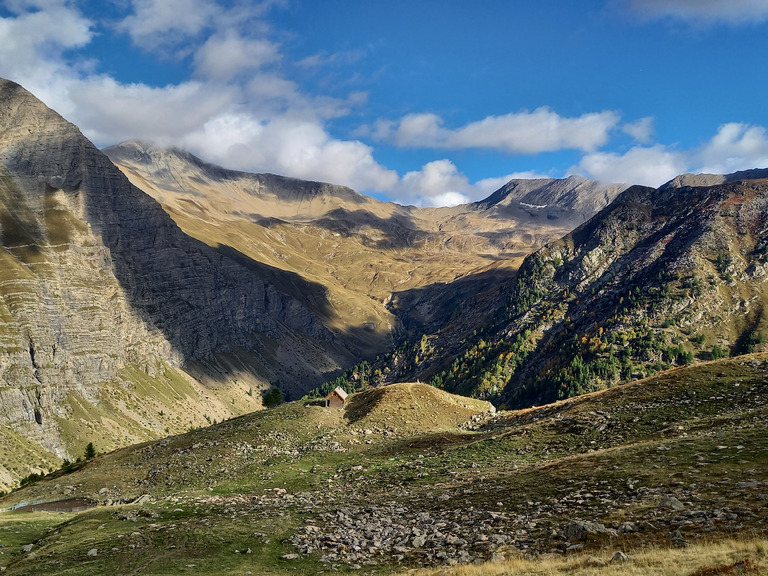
424 102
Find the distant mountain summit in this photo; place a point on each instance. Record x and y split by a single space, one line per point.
573 198
715 179
173 176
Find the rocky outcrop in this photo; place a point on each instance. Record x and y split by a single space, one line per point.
659 278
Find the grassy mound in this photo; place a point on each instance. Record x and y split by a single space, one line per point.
412 408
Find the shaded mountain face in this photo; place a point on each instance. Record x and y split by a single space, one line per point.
96 280
659 278
389 269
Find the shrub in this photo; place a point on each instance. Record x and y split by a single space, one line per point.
718 352
273 398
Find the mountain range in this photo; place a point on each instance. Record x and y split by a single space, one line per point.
145 291
595 355
126 317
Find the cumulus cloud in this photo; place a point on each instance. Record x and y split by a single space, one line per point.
441 183
542 130
109 112
704 11
438 183
224 56
641 130
302 149
36 36
155 23
734 147
650 166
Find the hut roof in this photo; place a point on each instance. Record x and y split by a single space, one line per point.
339 391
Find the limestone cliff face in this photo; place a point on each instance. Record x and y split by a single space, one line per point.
95 276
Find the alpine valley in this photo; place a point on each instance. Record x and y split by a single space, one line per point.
565 374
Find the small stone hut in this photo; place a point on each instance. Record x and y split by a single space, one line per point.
336 399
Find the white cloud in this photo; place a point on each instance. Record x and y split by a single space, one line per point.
156 23
302 149
109 112
735 147
542 130
224 56
704 11
440 183
419 130
650 166
36 37
641 130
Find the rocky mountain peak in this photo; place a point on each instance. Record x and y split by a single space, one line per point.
574 198
688 179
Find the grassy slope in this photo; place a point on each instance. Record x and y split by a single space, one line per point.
697 433
722 556
134 408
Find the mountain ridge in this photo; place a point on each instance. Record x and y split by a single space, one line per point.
102 295
659 278
380 239
688 179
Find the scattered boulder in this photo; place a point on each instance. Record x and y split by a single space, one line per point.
619 558
583 529
671 502
594 561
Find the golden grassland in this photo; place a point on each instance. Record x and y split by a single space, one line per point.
724 556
